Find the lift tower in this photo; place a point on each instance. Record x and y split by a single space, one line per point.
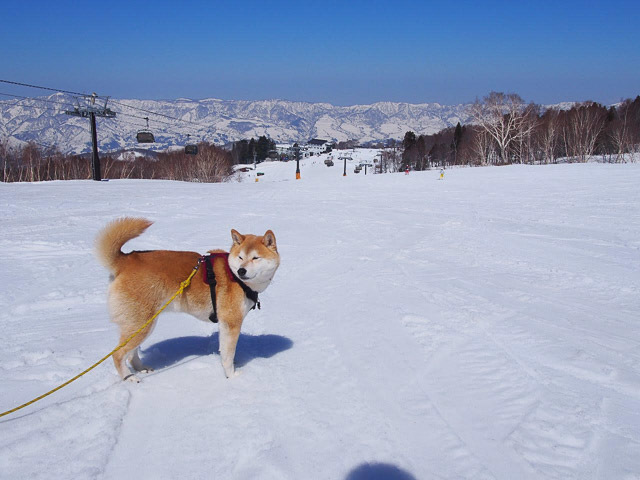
91 110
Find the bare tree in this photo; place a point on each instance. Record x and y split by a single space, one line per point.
549 136
506 119
483 146
5 153
620 132
391 159
584 124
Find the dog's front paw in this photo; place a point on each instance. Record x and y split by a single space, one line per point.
230 371
131 378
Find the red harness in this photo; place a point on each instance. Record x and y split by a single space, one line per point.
210 258
209 277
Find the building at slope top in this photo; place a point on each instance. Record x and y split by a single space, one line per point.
314 146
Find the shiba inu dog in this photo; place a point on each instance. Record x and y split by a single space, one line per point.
142 281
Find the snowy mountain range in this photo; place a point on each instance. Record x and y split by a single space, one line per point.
43 121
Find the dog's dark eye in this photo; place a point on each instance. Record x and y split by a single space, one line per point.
256 258
240 257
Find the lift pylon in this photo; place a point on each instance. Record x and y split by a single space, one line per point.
91 110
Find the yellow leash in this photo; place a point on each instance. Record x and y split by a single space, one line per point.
183 285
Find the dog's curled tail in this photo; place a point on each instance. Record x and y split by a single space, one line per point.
112 237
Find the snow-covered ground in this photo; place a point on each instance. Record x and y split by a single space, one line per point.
484 326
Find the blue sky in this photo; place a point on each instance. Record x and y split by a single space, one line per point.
343 52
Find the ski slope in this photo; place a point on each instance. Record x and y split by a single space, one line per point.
480 327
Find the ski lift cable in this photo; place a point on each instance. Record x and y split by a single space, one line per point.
156 113
22 98
94 96
37 107
142 128
17 99
141 118
35 99
101 97
45 88
61 112
119 120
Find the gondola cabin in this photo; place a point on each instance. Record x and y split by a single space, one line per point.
144 136
191 149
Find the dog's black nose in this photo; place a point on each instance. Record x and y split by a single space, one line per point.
242 272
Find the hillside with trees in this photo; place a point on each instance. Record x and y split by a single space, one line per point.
504 129
243 151
35 164
507 130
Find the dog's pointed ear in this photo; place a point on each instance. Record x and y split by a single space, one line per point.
236 237
269 240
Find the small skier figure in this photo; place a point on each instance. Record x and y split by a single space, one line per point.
406 172
441 174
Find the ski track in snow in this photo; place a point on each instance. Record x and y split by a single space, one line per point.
480 327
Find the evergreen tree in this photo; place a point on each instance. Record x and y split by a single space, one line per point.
263 145
409 140
457 135
251 151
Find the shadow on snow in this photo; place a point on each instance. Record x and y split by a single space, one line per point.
173 350
379 471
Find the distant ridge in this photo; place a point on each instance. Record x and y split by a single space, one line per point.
220 122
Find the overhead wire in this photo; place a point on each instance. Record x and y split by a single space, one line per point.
141 118
69 105
85 95
101 97
35 99
38 107
156 113
44 88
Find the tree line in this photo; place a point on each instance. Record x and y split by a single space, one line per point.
243 151
505 130
32 163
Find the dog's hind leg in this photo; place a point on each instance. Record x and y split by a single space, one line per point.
130 352
120 361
